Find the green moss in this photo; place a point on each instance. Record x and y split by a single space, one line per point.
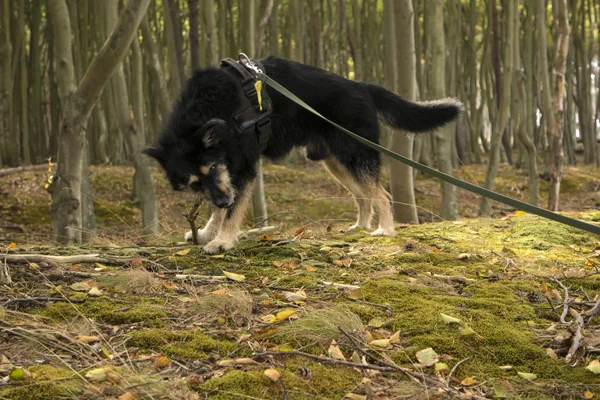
109 312
42 387
186 344
327 382
109 213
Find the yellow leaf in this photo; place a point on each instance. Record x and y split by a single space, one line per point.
450 320
335 352
272 374
106 353
183 252
395 338
594 367
310 268
12 246
95 292
381 344
468 381
527 376
519 212
19 374
283 315
220 292
234 277
98 374
427 357
161 362
441 367
296 297
588 395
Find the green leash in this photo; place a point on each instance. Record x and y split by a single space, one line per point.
520 205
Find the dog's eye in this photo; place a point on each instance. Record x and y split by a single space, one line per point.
212 168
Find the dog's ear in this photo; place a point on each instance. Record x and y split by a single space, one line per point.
155 152
210 132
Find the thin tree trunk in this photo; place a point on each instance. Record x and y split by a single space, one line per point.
156 70
262 25
505 97
194 34
5 79
212 57
78 102
560 66
437 89
403 193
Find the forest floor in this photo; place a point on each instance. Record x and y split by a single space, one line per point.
463 309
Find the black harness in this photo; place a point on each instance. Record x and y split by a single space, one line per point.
254 114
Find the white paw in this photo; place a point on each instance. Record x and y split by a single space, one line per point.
384 232
218 246
203 236
356 227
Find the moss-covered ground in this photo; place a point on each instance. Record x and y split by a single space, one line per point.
163 321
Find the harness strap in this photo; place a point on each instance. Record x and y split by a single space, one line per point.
254 114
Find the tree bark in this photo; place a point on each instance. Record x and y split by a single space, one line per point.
403 193
77 103
194 34
560 66
437 89
505 97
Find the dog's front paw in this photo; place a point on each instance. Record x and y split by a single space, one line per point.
203 236
384 232
218 246
357 227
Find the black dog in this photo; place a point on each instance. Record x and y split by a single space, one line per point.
201 147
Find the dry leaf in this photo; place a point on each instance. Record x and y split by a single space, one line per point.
183 252
594 367
234 277
335 352
95 292
128 396
12 246
236 361
427 357
395 338
136 263
296 297
310 268
272 374
527 376
87 339
162 362
381 344
588 395
283 315
468 381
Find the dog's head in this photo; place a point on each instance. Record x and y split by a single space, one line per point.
198 161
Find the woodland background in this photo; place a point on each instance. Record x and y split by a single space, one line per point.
526 71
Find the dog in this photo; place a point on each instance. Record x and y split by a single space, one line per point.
200 147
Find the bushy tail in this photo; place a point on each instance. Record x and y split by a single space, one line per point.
414 117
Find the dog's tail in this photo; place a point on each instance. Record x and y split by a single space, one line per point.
414 117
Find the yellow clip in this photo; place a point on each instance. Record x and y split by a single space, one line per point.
258 87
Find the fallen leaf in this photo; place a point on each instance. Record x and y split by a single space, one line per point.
234 277
34 267
5 365
441 367
594 367
236 361
381 344
296 297
162 362
81 286
588 395
95 292
335 352
12 246
506 367
527 376
286 347
465 331
354 396
272 374
183 252
100 267
87 339
354 294
552 354
376 322
310 268
136 263
243 338
128 396
98 374
468 381
500 392
395 338
283 315
427 357
464 256
450 320
519 212
19 374
264 333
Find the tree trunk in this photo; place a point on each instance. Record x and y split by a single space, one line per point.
403 193
262 25
542 45
77 103
212 57
505 96
560 67
194 34
437 90
156 70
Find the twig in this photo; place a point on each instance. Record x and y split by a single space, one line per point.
455 368
34 299
339 285
324 359
191 218
565 302
577 338
259 231
75 259
457 279
209 278
594 310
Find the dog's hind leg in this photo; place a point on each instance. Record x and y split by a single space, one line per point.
211 229
227 235
356 188
382 200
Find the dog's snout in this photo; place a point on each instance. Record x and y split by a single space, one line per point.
223 203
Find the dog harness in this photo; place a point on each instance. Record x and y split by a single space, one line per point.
254 114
